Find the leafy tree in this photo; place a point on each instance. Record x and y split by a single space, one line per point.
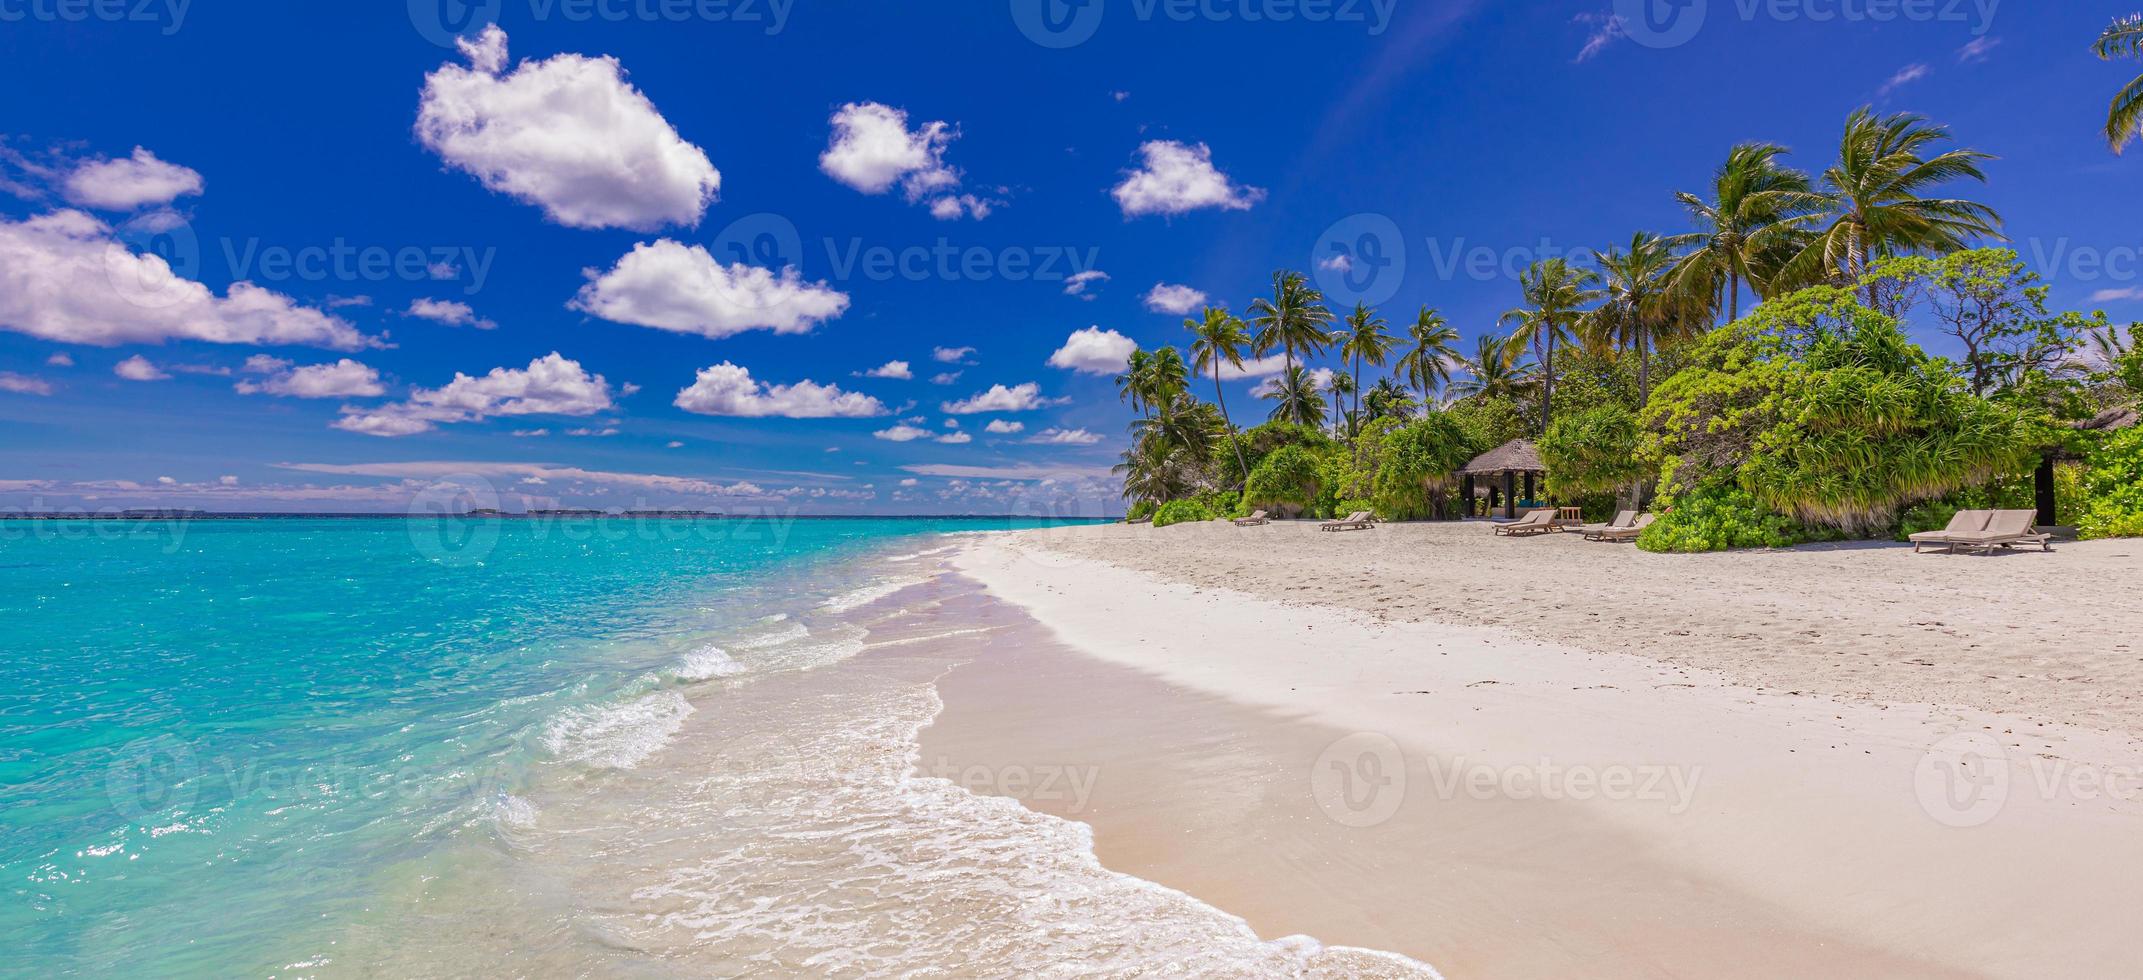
1555 294
1295 398
2124 39
1388 399
1995 308
1492 373
1745 230
1183 512
1873 203
1641 308
2113 487
1219 339
1287 482
1431 348
1131 385
1596 451
1364 339
1416 466
1293 318
1489 421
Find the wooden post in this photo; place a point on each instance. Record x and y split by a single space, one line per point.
2043 488
1465 495
1529 496
1510 494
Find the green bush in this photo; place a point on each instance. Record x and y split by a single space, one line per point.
1140 511
1417 466
1716 515
2113 488
1288 482
1183 512
1594 451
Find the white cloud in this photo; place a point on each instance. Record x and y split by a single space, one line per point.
1018 398
872 150
1004 428
952 423
946 377
1320 379
449 312
593 433
530 433
895 370
61 359
343 379
1606 30
727 389
902 433
1254 368
550 385
23 384
951 355
671 286
1076 283
1179 300
64 277
1977 49
1179 178
129 183
1094 351
673 444
956 438
138 368
909 482
227 481
1064 437
1337 263
2106 295
1905 76
547 472
567 134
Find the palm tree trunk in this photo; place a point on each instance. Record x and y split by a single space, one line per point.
1644 370
1221 398
1547 388
1733 294
1354 425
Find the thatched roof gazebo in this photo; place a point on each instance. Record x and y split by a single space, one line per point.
1503 467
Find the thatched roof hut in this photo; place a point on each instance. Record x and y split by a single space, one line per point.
1515 456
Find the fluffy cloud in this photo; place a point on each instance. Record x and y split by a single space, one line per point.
951 355
1179 300
873 149
1005 428
550 385
138 368
343 379
671 286
1018 398
1065 437
1076 283
726 389
64 277
126 184
1254 368
531 472
22 384
896 370
1178 178
1905 76
956 438
61 359
567 134
902 433
1094 351
449 312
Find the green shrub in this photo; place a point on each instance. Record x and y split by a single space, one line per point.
1141 511
2113 488
1594 451
1183 512
1716 515
1288 482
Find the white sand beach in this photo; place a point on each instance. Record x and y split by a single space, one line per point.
1551 758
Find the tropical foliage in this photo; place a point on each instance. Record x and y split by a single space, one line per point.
2124 39
2113 488
1593 452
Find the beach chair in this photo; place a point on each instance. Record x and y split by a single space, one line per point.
2006 529
1357 521
1622 519
1538 522
1623 534
1255 519
1965 522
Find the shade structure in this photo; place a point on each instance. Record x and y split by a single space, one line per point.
1504 466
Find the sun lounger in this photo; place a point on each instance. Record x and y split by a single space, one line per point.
1623 534
1622 519
2006 529
1538 522
1965 522
1253 520
1357 521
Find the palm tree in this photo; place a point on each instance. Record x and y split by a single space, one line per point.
2123 40
1641 308
1388 399
1872 203
1294 318
1364 339
1131 385
1296 398
1492 372
1745 231
1167 377
1219 339
1555 291
1340 385
1427 364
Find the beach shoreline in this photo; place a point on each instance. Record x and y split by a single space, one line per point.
1598 809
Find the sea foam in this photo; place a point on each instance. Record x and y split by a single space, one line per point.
617 736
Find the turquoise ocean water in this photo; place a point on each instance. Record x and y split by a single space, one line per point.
214 733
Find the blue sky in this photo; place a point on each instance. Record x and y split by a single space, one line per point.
344 183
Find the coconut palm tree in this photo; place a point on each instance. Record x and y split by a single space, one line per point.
1167 377
1340 384
1364 339
1388 399
1745 229
2123 40
1294 318
1641 308
1219 339
1493 371
1555 294
1427 363
1872 203
1131 385
1296 398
